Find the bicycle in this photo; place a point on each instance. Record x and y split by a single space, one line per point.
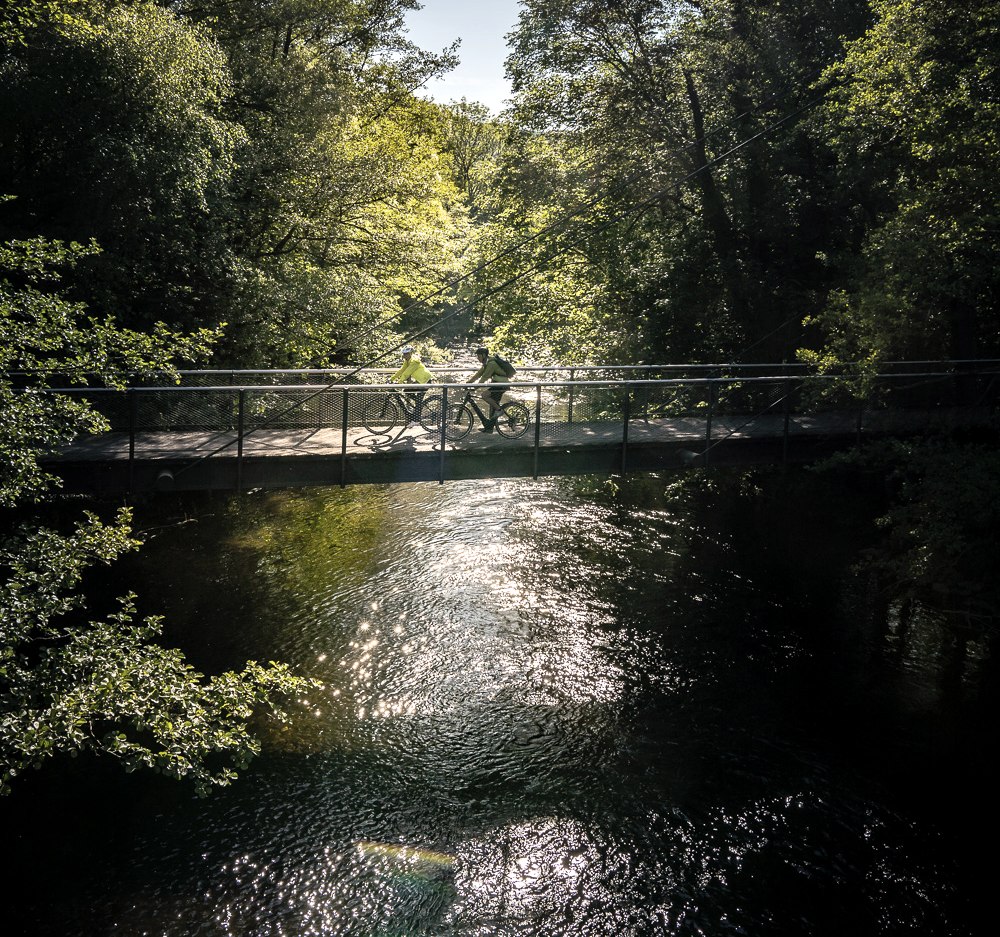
512 420
382 414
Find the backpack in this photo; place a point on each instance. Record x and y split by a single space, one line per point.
505 366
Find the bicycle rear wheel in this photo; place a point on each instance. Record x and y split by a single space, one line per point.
430 415
381 415
513 419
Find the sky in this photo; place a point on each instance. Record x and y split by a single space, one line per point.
481 25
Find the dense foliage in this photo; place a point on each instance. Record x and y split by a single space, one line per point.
69 683
675 179
754 168
914 122
259 165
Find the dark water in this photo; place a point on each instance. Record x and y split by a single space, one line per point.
549 709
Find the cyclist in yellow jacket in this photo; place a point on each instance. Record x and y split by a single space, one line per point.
412 372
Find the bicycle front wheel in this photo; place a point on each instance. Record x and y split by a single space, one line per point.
459 421
513 419
381 415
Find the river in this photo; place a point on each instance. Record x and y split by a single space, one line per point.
550 708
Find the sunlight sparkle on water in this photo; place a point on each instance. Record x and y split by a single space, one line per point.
531 868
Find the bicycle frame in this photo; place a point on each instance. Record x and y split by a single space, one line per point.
413 413
470 400
393 408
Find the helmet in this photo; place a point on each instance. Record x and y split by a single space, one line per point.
483 350
406 349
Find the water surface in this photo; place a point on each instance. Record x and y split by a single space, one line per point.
549 708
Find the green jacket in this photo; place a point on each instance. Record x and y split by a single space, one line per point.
413 370
490 371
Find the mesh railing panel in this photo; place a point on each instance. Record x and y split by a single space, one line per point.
112 406
206 410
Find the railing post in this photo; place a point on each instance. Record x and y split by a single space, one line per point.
708 421
132 406
626 414
444 423
538 427
343 438
784 442
240 410
572 372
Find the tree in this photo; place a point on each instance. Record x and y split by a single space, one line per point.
684 112
342 208
915 123
474 140
366 219
262 165
114 129
69 683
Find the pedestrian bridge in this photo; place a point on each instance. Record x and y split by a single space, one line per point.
241 430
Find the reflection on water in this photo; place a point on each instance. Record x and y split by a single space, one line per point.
546 710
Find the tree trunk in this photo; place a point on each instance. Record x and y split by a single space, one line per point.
714 213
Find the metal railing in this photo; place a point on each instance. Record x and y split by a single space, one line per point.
700 412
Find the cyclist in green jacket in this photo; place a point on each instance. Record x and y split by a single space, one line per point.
412 372
497 387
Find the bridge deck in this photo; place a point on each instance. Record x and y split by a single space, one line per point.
207 460
328 442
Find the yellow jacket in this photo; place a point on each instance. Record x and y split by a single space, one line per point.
413 370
